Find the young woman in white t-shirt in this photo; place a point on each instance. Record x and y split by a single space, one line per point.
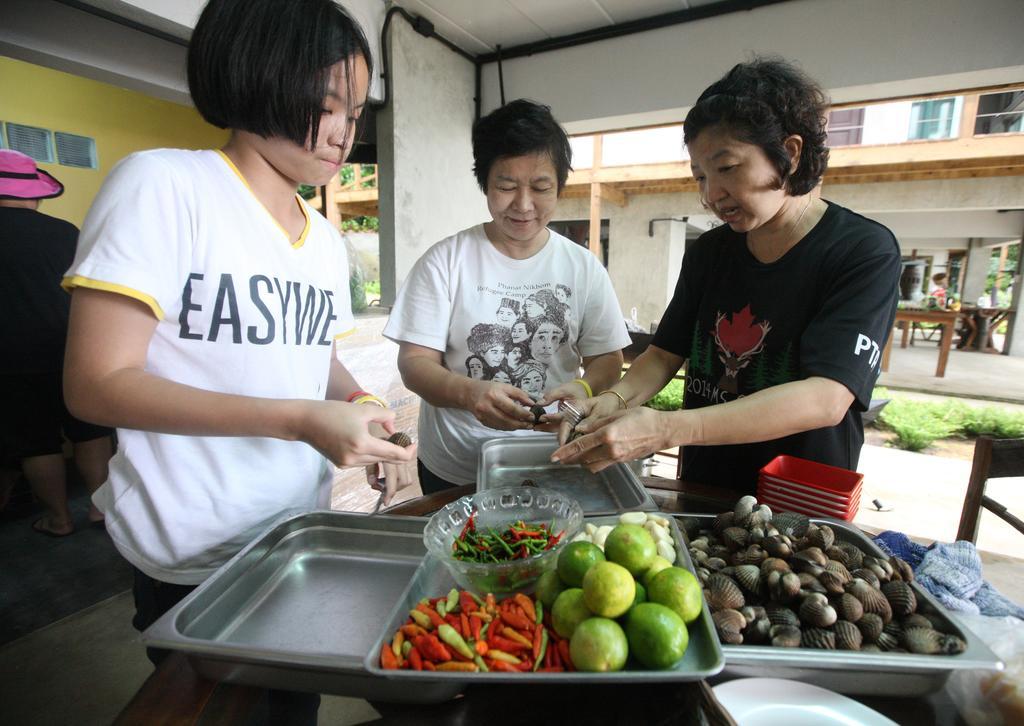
207 299
508 313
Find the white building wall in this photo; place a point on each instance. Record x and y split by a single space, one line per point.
887 123
423 141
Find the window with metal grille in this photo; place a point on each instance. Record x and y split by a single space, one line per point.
933 119
1000 113
31 140
74 150
845 126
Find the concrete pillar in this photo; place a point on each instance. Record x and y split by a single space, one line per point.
977 271
426 184
1015 335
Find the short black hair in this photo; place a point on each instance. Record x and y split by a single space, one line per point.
519 128
763 102
262 65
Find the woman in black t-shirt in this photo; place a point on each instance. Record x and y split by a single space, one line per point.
781 312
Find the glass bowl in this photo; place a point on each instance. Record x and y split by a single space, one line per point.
497 509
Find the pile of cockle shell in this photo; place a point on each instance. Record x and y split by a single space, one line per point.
782 580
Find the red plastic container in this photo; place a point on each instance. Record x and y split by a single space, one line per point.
788 483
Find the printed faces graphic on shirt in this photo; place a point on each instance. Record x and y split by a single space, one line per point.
286 312
729 360
528 329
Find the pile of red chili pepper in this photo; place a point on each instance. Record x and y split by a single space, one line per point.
519 541
461 632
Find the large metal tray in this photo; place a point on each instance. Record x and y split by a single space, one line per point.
509 461
299 607
703 656
878 674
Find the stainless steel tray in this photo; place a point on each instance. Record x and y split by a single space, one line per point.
299 607
703 656
878 674
509 461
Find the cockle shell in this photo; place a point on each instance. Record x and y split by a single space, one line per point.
818 638
848 635
901 569
783 587
743 508
791 523
823 537
887 642
785 636
723 520
809 583
801 562
723 593
868 576
735 538
854 556
871 626
849 608
915 620
749 578
838 568
873 600
900 596
952 645
832 582
715 564
924 641
777 546
781 616
816 611
774 564
729 624
757 631
400 438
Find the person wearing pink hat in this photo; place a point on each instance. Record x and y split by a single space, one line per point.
35 250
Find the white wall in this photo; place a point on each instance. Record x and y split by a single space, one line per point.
428 190
643 269
859 51
887 123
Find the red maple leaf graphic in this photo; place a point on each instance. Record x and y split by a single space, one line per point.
740 334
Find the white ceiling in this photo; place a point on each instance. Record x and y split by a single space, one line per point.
480 26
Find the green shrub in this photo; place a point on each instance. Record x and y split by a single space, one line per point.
358 291
917 424
373 287
361 224
669 398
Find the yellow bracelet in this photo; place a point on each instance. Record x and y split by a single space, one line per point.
369 398
617 395
586 387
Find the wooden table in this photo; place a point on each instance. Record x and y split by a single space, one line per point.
176 695
946 318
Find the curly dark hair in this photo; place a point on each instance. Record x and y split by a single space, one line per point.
763 102
519 128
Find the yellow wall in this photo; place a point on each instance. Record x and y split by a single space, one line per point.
120 121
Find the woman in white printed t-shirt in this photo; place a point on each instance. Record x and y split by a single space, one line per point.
507 313
207 299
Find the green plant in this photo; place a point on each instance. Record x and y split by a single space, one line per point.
373 287
669 398
917 424
357 290
306 191
361 224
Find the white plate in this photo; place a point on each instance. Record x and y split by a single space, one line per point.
775 701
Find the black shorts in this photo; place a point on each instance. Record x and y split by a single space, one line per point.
33 418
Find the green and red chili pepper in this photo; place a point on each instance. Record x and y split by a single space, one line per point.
519 541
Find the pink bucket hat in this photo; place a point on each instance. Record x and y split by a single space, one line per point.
21 179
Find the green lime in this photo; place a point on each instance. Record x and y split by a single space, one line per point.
679 590
657 635
608 589
569 611
599 645
549 586
576 559
658 564
631 546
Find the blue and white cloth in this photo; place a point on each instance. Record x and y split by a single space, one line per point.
950 572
